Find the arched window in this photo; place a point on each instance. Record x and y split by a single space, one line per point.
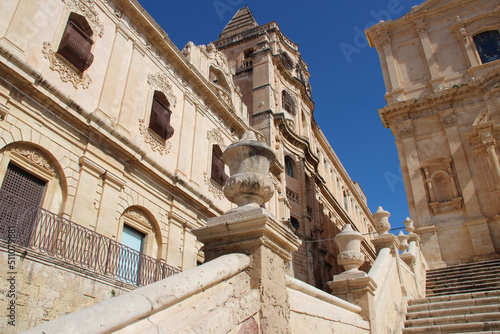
288 102
76 43
218 172
248 53
159 121
289 165
488 45
218 77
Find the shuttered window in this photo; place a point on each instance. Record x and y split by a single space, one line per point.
76 43
218 168
288 102
18 212
159 122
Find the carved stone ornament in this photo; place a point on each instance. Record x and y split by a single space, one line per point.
86 8
381 218
213 187
137 216
160 82
450 120
349 243
249 161
67 73
156 144
406 132
215 136
36 157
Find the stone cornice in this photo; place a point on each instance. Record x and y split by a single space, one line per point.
439 101
157 37
418 15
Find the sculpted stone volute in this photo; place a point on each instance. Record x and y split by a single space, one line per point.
249 160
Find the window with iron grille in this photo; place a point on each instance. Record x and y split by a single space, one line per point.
218 168
76 43
159 121
488 45
18 212
288 102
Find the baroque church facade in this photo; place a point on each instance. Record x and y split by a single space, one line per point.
111 151
441 66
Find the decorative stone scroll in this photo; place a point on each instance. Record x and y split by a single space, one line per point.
213 187
156 144
161 82
86 8
36 157
215 136
67 73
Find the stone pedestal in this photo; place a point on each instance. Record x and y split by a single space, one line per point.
252 230
270 244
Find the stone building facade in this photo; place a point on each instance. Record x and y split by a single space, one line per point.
441 67
111 142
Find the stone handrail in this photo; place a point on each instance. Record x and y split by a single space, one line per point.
310 290
118 312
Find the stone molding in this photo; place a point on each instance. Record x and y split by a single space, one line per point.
66 72
87 9
34 156
161 82
156 144
215 136
213 187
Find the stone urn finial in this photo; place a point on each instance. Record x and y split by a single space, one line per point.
409 225
403 241
349 243
381 218
249 161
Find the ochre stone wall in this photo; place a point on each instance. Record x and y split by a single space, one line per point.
45 289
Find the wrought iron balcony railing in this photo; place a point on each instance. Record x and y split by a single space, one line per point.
47 233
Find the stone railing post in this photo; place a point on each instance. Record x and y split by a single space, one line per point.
350 257
253 230
384 239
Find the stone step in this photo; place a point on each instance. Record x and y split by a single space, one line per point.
467 295
458 288
465 274
447 305
472 309
462 278
473 327
453 319
464 267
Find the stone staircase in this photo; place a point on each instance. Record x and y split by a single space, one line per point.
460 299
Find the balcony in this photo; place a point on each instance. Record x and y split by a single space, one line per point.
47 233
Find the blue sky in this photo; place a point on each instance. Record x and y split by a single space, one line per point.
346 78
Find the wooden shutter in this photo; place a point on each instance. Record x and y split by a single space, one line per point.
218 169
159 122
75 47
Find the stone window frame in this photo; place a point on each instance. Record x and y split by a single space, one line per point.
288 102
476 46
466 29
161 100
218 176
36 162
80 25
141 220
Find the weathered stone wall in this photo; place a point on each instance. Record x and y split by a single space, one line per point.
44 289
